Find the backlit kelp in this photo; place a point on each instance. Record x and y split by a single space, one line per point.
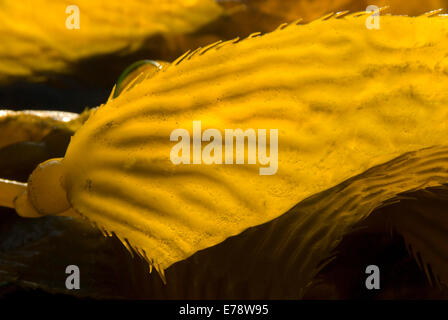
360 118
289 251
343 98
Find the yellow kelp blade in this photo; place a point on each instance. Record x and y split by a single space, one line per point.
285 257
279 259
344 98
46 36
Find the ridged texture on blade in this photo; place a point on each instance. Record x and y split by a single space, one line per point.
278 259
343 97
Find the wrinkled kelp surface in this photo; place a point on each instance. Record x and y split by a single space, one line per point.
392 212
